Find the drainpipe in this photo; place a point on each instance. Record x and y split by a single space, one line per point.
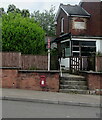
60 68
69 22
70 46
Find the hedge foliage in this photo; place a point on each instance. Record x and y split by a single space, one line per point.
22 34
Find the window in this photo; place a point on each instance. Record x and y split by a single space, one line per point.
67 52
83 48
65 49
62 25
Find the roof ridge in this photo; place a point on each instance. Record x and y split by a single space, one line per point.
68 5
71 9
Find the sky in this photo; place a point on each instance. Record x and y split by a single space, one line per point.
34 5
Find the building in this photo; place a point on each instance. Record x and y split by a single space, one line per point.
78 31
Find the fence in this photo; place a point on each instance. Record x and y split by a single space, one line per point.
99 63
34 62
11 59
16 59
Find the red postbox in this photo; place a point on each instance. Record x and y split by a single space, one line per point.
42 81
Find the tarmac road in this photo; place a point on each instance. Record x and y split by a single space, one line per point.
19 109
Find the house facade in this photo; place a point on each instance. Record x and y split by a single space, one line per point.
78 31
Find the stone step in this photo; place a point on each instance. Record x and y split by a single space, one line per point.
65 82
71 75
73 78
79 87
75 91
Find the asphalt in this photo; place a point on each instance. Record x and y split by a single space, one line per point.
51 97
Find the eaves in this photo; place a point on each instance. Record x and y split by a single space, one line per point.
60 8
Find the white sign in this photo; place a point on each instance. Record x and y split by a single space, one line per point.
79 25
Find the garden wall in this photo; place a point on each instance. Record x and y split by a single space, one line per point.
94 80
29 79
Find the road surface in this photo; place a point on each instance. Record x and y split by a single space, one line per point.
18 109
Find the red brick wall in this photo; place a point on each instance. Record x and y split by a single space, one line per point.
9 78
66 23
95 82
94 24
12 78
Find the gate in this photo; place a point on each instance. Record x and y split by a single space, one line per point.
84 63
75 64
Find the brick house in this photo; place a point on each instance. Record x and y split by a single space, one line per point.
78 31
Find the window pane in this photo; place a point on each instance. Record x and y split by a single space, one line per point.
88 43
65 44
75 48
67 52
88 49
75 42
75 54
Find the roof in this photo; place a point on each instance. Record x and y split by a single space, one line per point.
62 37
73 10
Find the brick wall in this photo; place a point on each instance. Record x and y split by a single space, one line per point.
66 24
24 79
9 78
94 24
95 82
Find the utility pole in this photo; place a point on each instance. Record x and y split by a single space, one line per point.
49 54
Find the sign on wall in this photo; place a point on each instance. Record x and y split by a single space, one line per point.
79 25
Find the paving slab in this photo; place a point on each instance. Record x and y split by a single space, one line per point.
51 97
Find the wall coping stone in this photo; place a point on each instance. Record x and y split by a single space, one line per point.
91 72
39 71
10 67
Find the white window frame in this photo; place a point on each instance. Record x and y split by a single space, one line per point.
62 25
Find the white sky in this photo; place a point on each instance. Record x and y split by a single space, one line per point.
34 5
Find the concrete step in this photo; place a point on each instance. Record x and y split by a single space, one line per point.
73 84
65 82
75 91
71 75
79 87
73 78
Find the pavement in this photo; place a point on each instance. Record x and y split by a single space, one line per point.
50 97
